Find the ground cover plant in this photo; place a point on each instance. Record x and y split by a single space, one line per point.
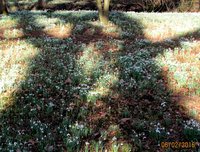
69 83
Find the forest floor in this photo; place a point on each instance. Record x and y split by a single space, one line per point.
69 83
119 5
123 5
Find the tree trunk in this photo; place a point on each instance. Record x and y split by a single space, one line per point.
3 7
199 4
103 10
41 4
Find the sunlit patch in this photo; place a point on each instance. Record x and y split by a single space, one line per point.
8 22
90 60
59 1
192 106
114 144
111 146
13 33
161 29
112 30
59 31
158 33
92 63
109 30
162 33
15 57
102 86
54 27
45 21
181 68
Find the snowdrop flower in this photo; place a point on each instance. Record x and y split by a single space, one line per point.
157 130
114 138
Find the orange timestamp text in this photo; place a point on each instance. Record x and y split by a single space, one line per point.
179 145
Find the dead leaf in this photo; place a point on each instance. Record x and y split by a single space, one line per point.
112 133
18 150
102 114
76 96
38 108
124 120
50 148
68 81
32 141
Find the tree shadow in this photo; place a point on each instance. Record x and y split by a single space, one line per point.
61 104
